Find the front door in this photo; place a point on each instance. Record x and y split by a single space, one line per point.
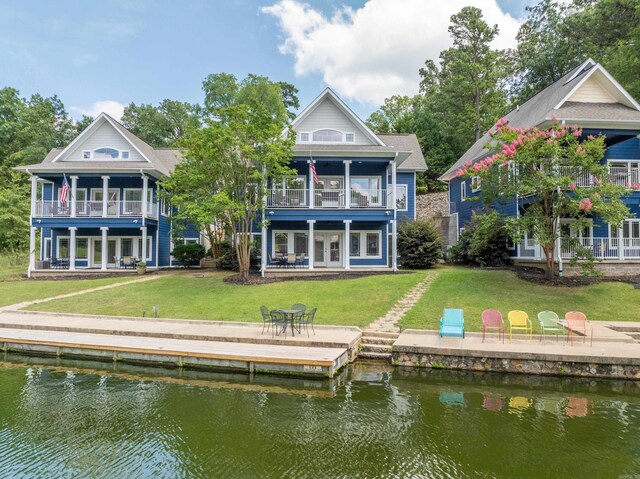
96 257
327 250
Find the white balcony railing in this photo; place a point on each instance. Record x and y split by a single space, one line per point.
335 198
602 248
88 209
623 176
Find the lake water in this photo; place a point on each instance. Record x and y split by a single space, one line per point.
82 420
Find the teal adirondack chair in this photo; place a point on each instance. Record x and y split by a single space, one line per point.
452 323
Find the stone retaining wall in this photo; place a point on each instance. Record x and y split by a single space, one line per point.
432 205
622 370
609 269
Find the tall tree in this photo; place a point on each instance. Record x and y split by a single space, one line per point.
229 160
162 125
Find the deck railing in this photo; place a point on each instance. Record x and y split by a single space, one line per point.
602 248
94 209
618 175
334 198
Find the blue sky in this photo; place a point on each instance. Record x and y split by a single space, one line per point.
118 51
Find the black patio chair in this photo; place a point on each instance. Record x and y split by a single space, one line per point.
266 318
307 319
279 322
299 307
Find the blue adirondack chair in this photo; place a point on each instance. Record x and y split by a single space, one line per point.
452 323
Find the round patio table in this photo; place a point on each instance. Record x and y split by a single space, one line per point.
289 316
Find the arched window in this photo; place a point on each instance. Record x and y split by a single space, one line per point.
327 135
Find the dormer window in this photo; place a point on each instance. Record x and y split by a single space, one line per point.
105 154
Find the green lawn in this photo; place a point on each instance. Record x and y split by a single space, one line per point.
357 301
475 290
13 267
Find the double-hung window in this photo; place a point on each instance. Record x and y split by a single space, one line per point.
366 191
402 197
365 244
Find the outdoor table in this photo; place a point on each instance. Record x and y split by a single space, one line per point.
289 315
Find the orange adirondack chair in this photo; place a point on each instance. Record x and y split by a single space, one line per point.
577 323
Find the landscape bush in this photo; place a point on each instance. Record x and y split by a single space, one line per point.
228 258
419 244
188 254
484 242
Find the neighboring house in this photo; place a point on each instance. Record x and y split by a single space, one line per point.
587 96
347 218
112 216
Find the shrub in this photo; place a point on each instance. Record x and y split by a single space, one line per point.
188 254
228 259
483 242
419 244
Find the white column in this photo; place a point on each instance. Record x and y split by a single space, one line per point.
394 245
347 233
311 243
105 196
72 248
32 250
620 244
34 194
263 248
74 189
145 192
393 190
312 195
347 183
143 253
105 250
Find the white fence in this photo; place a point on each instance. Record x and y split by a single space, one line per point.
85 209
602 248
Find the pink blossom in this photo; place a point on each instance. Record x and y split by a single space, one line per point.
585 205
554 117
577 133
597 181
572 186
591 137
579 150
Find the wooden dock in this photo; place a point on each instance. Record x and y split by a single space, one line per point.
230 353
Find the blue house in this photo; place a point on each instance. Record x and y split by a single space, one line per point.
345 217
587 96
111 216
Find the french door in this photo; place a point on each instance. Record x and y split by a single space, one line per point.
96 256
327 250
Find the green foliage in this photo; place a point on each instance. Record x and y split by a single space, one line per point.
229 159
228 259
188 254
483 241
542 165
163 125
419 244
29 128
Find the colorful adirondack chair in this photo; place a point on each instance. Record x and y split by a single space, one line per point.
549 321
577 323
492 319
519 321
452 323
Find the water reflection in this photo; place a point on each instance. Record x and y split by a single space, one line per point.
61 420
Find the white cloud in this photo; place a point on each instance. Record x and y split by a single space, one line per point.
110 107
373 52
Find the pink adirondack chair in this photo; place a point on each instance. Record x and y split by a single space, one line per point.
492 319
577 323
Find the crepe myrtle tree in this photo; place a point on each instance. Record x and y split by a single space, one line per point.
541 167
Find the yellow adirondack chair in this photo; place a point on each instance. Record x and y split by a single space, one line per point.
519 321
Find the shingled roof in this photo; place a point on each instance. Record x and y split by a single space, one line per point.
554 101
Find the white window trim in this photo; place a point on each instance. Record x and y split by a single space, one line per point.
406 187
476 180
310 141
46 255
363 244
92 156
68 238
368 177
111 190
463 190
290 240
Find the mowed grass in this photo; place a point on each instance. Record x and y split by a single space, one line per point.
357 301
475 290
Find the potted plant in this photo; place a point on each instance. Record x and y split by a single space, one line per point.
141 267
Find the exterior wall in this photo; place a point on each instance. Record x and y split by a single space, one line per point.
409 179
591 91
164 243
625 150
328 115
104 136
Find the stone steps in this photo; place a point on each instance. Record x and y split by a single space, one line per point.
374 356
380 334
377 340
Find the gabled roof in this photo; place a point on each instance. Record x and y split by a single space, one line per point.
160 160
342 106
406 142
555 100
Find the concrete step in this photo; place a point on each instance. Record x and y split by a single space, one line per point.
377 348
376 340
374 356
379 334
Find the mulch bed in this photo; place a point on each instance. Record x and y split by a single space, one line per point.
536 275
257 279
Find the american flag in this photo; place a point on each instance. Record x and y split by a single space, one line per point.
64 191
314 172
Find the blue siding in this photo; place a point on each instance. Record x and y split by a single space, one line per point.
164 228
625 150
409 180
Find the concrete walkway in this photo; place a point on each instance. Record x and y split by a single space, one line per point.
25 304
388 323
